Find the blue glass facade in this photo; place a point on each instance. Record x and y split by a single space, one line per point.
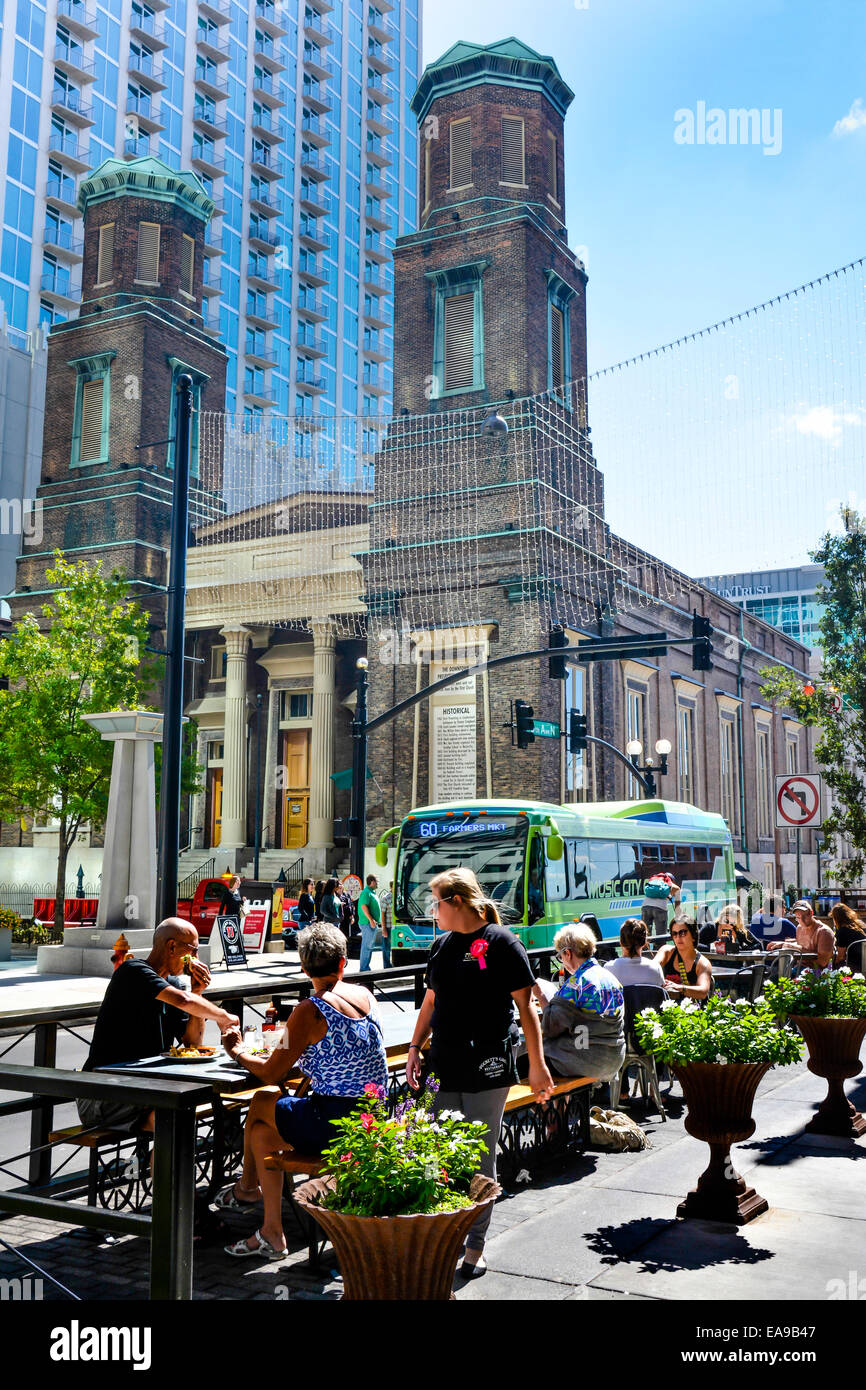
296 119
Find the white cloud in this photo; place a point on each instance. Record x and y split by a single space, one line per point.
824 422
855 120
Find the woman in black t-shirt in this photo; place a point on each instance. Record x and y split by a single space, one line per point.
477 970
306 904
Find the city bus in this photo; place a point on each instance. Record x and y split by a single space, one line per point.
544 864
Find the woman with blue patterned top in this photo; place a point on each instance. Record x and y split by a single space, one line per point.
335 1037
583 1025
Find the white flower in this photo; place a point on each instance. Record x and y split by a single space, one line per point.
742 1004
858 976
431 1170
759 1001
451 1115
688 1006
658 1031
668 1004
648 1013
723 1060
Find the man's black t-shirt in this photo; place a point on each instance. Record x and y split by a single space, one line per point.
132 1022
470 1048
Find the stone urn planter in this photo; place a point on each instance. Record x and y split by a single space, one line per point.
834 1053
719 1099
396 1257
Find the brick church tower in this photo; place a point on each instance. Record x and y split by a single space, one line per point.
480 539
108 450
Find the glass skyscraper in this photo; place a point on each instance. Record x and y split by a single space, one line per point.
296 118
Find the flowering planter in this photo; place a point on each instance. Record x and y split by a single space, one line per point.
834 1053
396 1257
719 1099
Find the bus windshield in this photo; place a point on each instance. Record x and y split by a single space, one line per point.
492 846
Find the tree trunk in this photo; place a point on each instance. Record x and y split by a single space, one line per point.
60 885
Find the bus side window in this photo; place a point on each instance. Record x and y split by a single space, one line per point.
577 853
629 860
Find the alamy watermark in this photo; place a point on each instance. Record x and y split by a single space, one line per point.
26 1290
458 646
21 517
736 126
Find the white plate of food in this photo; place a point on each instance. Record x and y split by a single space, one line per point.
191 1054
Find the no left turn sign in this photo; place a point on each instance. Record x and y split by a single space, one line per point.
799 804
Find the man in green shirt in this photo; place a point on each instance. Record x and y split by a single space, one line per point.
369 920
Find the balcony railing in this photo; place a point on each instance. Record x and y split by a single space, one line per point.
58 285
74 58
151 26
62 237
71 101
78 16
62 191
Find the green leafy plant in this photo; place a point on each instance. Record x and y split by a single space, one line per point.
835 703
414 1162
724 1030
831 994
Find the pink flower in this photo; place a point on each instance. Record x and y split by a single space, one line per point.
368 1121
371 1089
445 1177
345 1158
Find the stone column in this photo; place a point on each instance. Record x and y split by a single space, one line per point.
197 801
127 896
234 807
269 795
321 831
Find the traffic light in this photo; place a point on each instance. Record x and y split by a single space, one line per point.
576 731
556 668
702 651
524 715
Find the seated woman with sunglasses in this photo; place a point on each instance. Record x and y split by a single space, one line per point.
583 1025
688 974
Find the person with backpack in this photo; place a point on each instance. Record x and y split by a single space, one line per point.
658 892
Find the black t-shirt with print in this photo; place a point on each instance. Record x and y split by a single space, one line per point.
132 1022
472 1018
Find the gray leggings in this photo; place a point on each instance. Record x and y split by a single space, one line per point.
487 1106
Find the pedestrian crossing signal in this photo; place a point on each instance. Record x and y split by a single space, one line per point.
577 731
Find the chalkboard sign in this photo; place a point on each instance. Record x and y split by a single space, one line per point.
232 939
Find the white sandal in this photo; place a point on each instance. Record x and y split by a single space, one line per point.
241 1251
226 1200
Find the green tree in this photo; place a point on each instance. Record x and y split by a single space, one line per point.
841 746
85 657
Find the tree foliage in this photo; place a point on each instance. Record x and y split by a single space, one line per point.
85 656
841 746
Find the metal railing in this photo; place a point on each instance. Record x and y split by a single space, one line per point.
170 1225
187 886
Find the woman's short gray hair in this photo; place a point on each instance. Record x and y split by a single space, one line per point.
577 938
321 947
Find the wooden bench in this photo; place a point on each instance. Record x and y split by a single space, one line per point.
534 1136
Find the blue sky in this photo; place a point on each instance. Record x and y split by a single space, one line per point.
677 236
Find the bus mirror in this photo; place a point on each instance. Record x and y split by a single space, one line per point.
555 847
382 854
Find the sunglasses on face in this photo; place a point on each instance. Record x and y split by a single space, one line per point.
680 933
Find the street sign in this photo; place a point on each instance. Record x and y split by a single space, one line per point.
799 801
545 728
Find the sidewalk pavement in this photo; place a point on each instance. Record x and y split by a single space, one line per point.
605 1229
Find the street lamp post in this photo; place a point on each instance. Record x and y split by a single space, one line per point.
358 817
634 748
172 727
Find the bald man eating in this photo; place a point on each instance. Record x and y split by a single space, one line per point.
144 1012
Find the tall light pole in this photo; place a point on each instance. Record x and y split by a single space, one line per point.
172 723
358 815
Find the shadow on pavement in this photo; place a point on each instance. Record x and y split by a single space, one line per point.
729 1247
